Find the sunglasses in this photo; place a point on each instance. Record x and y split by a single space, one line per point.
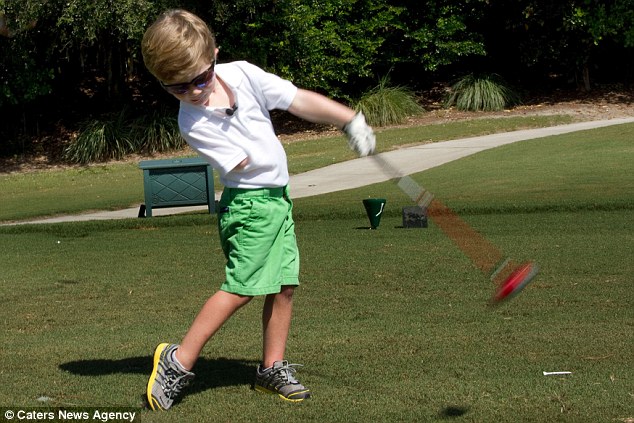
201 81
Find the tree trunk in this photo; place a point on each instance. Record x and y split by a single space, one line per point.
586 77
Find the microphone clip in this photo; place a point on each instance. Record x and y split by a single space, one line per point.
232 110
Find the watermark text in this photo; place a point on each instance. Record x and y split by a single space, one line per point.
103 415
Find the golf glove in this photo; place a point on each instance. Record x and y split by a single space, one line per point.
360 136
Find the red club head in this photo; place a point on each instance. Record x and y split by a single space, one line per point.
512 285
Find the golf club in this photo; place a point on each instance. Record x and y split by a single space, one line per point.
509 277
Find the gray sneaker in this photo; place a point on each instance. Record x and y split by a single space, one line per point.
167 378
280 379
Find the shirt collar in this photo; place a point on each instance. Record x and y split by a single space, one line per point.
231 75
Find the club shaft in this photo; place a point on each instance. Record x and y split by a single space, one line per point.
485 255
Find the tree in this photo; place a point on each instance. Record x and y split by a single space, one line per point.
22 78
342 46
62 40
102 34
338 46
592 22
433 34
327 45
561 37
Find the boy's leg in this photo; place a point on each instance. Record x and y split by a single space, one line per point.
170 373
278 308
214 313
276 375
276 323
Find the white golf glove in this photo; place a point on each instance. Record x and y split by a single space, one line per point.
360 136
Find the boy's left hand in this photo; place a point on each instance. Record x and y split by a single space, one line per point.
361 138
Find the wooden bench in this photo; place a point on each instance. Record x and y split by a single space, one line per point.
177 183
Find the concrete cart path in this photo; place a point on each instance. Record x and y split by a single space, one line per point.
367 170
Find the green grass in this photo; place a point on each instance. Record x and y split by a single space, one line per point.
391 324
116 186
104 187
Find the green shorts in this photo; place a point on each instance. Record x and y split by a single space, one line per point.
257 234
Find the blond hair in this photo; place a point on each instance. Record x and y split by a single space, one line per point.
176 45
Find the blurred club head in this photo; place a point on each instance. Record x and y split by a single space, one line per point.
516 281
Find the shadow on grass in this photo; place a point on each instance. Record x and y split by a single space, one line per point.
210 374
453 411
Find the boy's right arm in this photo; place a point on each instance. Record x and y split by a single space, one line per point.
317 108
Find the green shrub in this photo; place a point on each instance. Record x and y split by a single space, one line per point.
116 135
101 139
385 105
481 93
156 132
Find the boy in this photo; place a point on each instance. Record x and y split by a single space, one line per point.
224 116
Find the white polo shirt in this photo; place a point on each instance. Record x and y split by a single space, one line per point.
225 140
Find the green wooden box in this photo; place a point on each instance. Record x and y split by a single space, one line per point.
177 183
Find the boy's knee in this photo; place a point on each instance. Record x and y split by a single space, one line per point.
287 292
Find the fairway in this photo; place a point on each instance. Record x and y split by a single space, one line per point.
391 324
